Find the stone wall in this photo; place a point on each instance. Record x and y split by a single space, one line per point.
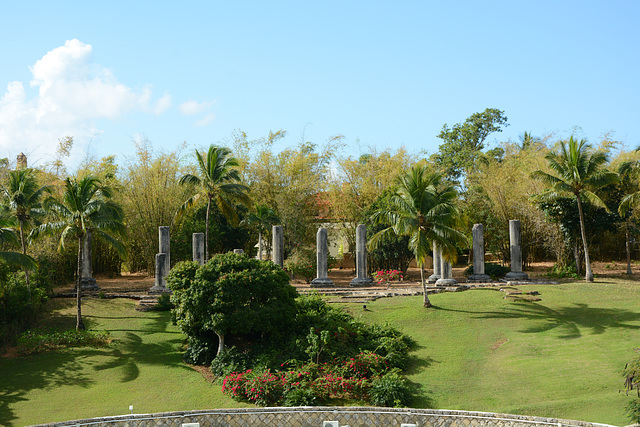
315 416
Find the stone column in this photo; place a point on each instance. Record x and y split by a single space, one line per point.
361 278
322 256
163 245
447 274
87 282
277 253
515 244
160 283
437 256
197 247
478 255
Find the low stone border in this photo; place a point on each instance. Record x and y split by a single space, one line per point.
307 416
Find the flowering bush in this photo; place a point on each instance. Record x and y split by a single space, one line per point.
311 382
385 276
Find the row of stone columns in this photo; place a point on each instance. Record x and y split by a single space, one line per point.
442 269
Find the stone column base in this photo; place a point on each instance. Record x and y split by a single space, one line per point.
159 290
89 284
446 282
479 278
434 278
361 282
323 282
516 275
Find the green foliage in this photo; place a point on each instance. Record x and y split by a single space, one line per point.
463 143
391 389
495 271
232 295
633 411
37 341
19 308
301 263
229 361
164 303
563 271
200 349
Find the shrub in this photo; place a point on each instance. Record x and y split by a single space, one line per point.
231 295
200 351
36 341
229 361
301 263
18 308
384 276
301 396
390 390
164 303
495 271
562 272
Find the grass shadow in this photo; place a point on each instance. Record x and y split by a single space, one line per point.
569 320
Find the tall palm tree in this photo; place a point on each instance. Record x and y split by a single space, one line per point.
577 169
219 182
86 207
422 208
263 218
22 196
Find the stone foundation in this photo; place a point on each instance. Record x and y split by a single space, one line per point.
307 416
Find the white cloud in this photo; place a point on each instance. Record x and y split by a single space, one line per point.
72 92
190 108
206 120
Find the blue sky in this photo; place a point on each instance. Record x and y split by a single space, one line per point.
386 74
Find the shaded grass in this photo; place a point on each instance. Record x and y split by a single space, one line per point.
141 367
561 357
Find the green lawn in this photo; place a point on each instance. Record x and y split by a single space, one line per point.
561 357
142 367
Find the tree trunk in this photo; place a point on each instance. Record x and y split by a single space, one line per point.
79 323
220 343
587 265
24 252
628 247
576 256
426 303
206 233
260 245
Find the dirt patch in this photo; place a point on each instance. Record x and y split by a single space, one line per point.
498 343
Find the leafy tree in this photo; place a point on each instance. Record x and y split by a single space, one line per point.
86 207
500 190
422 208
577 169
463 143
292 182
231 295
22 196
629 172
359 183
150 197
218 182
262 219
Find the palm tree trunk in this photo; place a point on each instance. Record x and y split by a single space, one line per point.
426 303
628 247
206 233
587 264
79 323
24 252
260 245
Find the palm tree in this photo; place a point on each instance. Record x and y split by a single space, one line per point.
263 218
219 182
7 235
86 207
578 170
422 208
22 196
